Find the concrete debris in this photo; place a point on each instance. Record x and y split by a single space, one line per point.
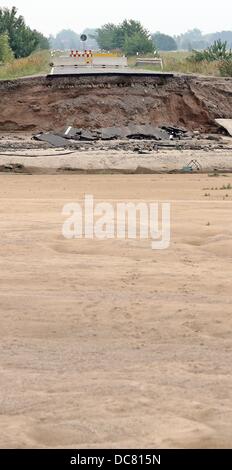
177 130
89 136
71 133
52 139
111 133
133 132
147 132
226 124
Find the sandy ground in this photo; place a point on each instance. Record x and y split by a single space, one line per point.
54 160
109 343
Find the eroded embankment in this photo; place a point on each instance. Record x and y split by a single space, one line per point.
90 102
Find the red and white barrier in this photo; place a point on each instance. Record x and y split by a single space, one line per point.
86 54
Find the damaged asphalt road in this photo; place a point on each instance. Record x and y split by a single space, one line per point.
131 132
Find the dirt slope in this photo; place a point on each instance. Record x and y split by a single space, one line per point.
41 104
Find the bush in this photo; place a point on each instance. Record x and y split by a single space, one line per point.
226 68
137 44
6 53
218 51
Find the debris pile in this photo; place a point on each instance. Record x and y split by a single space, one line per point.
132 132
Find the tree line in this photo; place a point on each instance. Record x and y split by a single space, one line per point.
16 38
128 37
131 37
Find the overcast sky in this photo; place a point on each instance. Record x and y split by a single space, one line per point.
168 16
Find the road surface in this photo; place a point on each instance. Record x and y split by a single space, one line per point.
85 71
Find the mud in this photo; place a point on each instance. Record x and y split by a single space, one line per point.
43 104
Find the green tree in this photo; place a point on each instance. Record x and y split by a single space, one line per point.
127 36
163 42
23 41
42 41
137 44
218 51
6 53
223 35
108 37
131 27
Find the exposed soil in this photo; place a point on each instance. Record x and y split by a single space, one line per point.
42 104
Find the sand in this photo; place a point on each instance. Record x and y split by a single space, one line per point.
51 161
109 343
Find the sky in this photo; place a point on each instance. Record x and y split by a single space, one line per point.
168 16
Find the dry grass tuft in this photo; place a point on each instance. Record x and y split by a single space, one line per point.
35 63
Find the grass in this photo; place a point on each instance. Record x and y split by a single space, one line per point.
226 186
177 62
34 64
173 62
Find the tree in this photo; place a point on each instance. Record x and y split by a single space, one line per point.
66 39
137 43
6 53
163 42
107 37
43 42
192 39
223 35
131 27
23 41
128 36
218 51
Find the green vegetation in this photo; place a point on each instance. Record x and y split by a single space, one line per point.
22 40
21 49
218 51
226 68
195 40
226 186
163 42
129 37
137 44
6 53
178 61
218 54
35 64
